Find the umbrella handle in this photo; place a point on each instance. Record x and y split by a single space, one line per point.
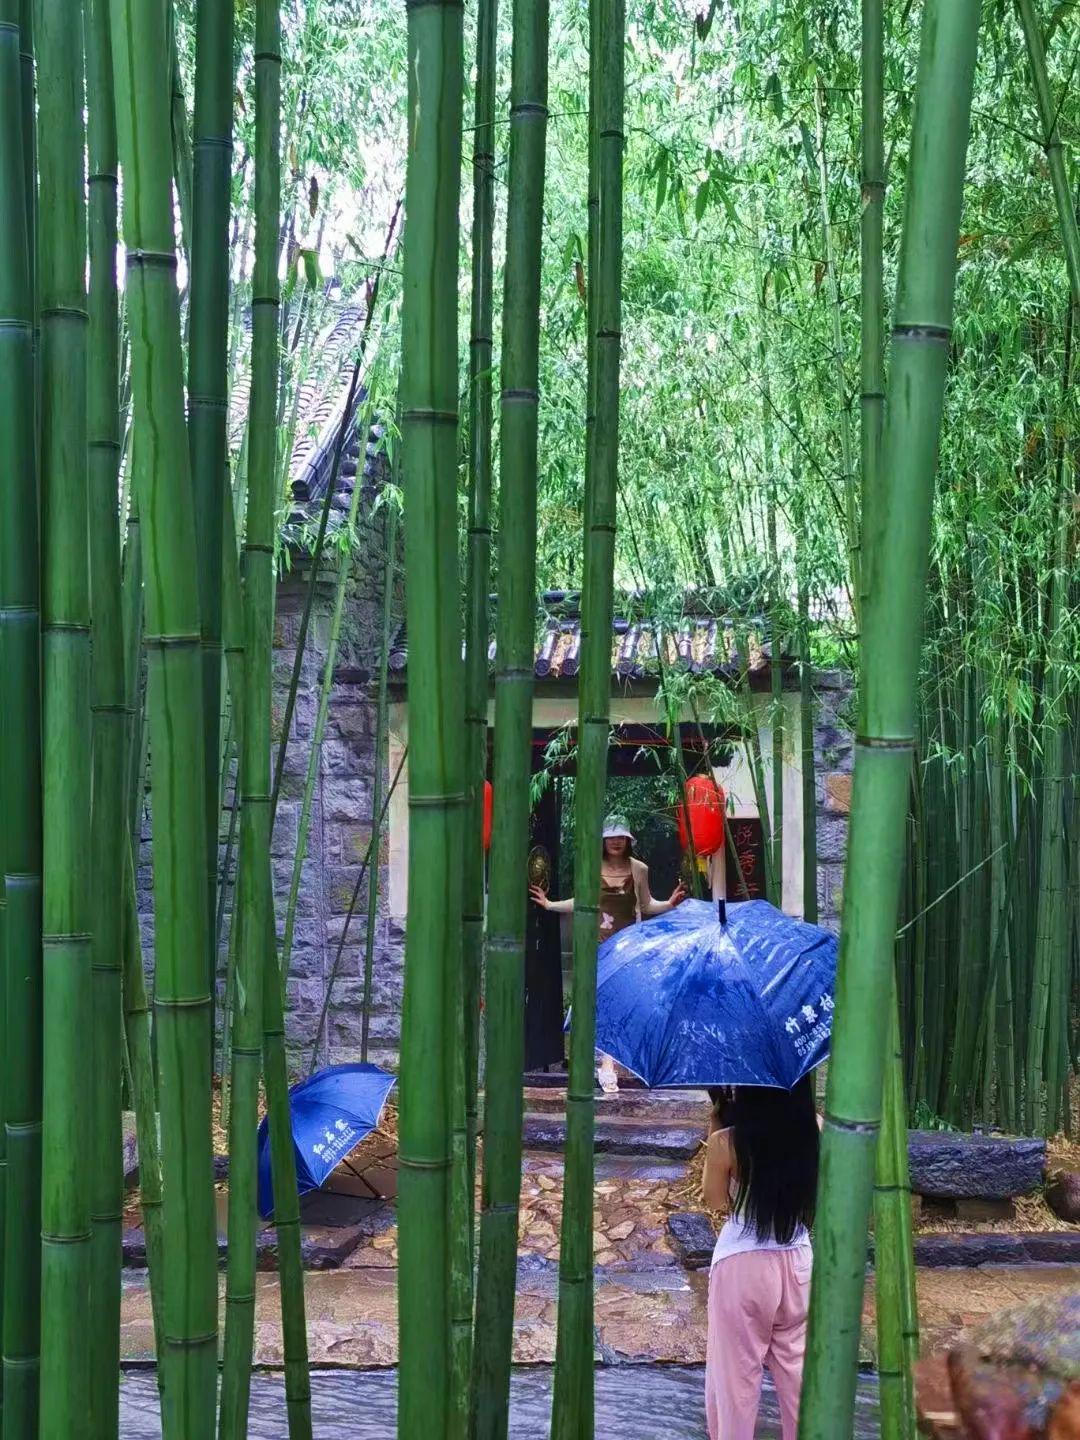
721 906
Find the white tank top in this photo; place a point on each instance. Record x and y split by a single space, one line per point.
738 1237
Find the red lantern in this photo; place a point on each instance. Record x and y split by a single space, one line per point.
705 803
489 799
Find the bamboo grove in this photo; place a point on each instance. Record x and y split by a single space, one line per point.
772 313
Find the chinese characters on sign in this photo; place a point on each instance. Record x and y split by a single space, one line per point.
746 868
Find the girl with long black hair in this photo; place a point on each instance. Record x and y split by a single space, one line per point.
761 1167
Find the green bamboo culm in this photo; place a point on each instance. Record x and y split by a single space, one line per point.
109 812
466 1079
895 557
174 662
894 1261
429 401
390 544
66 898
262 471
573 1406
20 759
208 329
254 902
871 237
478 554
1045 1059
504 991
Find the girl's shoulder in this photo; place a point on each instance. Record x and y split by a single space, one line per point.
720 1142
638 867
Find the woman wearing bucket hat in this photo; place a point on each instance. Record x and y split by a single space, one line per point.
624 899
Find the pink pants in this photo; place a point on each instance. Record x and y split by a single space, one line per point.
758 1303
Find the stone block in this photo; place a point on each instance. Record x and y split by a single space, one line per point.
838 793
976 1167
345 757
309 893
831 840
986 1247
692 1237
341 881
346 800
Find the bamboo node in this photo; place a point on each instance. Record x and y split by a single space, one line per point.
273 56
207 402
173 642
431 417
213 142
938 334
65 312
165 259
530 397
108 177
884 742
190 1342
448 799
852 1127
529 107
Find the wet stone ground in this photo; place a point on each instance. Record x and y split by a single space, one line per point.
633 1402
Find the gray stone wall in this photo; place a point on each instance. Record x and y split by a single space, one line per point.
833 763
325 973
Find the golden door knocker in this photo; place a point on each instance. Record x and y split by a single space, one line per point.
540 868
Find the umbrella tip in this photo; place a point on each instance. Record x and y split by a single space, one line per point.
721 907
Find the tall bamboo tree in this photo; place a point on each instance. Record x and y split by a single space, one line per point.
65 1217
895 556
109 814
479 543
429 399
207 376
172 636
572 1412
254 912
259 548
1045 1057
504 991
20 760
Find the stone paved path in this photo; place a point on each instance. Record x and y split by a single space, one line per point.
633 1402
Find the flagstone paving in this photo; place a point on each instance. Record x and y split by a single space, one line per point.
649 1315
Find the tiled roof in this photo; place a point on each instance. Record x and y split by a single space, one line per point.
700 644
320 407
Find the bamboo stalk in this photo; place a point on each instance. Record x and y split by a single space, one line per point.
65 1210
137 1032
894 1269
478 561
208 383
809 778
381 730
895 560
504 989
871 233
429 401
162 475
572 1415
108 696
20 755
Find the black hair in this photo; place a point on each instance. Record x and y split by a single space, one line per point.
776 1142
720 1097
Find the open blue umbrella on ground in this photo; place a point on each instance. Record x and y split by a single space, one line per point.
331 1113
691 999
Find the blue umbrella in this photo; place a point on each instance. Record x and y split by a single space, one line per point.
331 1113
689 999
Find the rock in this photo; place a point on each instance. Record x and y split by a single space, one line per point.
1063 1195
979 1167
981 1248
622 1231
131 1150
1053 1247
838 793
693 1237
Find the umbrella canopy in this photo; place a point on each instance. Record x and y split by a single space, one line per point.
686 1000
331 1113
